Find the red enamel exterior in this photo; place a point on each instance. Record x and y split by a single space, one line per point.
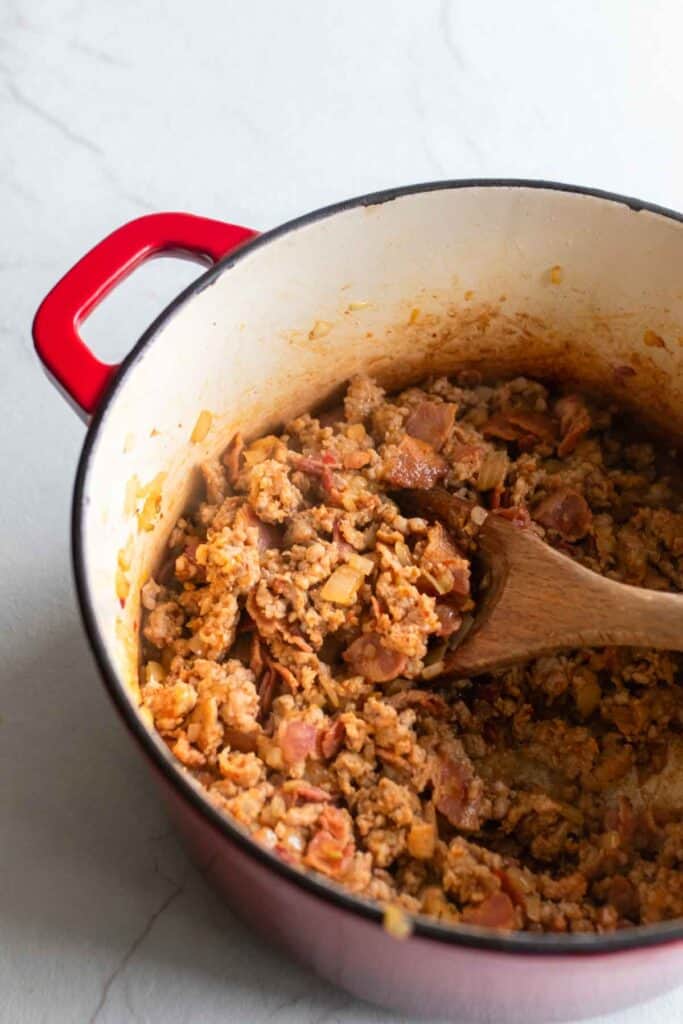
67 358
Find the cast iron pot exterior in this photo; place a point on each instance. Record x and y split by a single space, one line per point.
413 280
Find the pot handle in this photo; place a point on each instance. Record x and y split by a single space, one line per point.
81 376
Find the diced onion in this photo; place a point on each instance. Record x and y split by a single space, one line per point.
421 840
478 515
361 564
432 670
151 507
122 586
343 585
201 427
493 470
154 672
396 922
320 329
262 449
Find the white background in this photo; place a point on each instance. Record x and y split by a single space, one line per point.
253 112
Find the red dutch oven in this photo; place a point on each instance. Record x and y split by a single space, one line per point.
502 275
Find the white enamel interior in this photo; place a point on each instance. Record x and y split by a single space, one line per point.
451 277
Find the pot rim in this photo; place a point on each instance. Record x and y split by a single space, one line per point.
519 943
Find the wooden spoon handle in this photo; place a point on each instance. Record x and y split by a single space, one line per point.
541 601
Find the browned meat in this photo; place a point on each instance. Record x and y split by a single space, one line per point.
414 464
496 911
575 422
515 424
291 641
458 794
538 424
332 739
432 423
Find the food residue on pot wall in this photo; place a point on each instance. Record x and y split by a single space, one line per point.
201 427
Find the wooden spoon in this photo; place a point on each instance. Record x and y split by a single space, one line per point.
537 601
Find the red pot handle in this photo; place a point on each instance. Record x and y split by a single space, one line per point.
75 369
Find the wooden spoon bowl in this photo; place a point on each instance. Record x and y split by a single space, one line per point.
537 601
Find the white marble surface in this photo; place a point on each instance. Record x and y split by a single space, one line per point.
252 111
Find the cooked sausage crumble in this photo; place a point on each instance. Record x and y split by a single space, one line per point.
294 637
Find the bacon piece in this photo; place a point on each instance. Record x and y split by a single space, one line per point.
565 511
525 426
286 675
336 822
269 536
414 464
500 426
458 793
295 790
297 740
449 618
322 468
314 465
331 848
517 514
445 566
432 423
575 422
232 458
496 911
528 421
266 692
332 739
370 658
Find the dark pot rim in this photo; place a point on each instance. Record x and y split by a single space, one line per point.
315 885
